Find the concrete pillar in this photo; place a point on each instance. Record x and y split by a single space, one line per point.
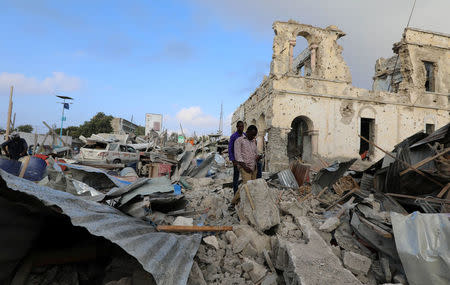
313 49
276 153
314 141
291 54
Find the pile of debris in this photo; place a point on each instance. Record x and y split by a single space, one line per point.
76 224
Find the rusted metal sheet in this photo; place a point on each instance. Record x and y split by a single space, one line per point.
301 172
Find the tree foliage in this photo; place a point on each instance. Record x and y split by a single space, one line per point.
25 128
100 123
140 131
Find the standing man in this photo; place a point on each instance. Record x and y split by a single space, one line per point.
17 147
233 138
246 154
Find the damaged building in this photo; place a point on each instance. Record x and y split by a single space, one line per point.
307 105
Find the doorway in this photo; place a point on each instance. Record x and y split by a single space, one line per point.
367 131
299 139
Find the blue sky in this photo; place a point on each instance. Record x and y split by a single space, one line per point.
177 58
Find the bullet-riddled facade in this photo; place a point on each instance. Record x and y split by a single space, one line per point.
308 106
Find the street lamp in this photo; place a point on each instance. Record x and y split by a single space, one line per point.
65 106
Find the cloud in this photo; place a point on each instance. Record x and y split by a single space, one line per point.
58 82
193 119
371 26
194 116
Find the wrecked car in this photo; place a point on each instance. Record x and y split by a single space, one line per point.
105 152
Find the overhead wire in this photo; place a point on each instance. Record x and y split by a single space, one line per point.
398 54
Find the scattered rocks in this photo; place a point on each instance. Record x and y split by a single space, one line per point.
330 224
212 241
240 243
270 279
231 237
357 263
196 276
183 221
254 270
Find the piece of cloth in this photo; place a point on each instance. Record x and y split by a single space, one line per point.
245 151
247 176
16 148
233 138
235 178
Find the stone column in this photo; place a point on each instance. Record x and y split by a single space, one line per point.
313 49
291 54
314 141
276 152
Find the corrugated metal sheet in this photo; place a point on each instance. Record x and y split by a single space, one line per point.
19 227
367 182
158 184
301 172
328 176
438 135
287 178
168 257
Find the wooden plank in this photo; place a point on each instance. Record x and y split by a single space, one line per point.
8 119
249 197
443 191
193 229
342 199
425 161
376 228
405 163
55 134
42 145
24 166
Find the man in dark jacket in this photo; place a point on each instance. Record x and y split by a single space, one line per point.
17 146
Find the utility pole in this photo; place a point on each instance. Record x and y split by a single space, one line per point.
65 106
221 119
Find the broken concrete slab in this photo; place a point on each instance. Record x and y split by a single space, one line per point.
266 214
270 279
311 263
330 224
212 241
231 237
258 241
357 263
196 276
255 271
240 243
183 221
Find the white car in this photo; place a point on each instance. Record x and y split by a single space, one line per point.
108 153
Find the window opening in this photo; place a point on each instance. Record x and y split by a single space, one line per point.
301 57
429 128
429 81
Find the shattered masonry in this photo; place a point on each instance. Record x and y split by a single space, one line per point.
321 112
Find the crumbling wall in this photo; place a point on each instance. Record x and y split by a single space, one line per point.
258 105
337 122
416 47
387 78
335 107
328 63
